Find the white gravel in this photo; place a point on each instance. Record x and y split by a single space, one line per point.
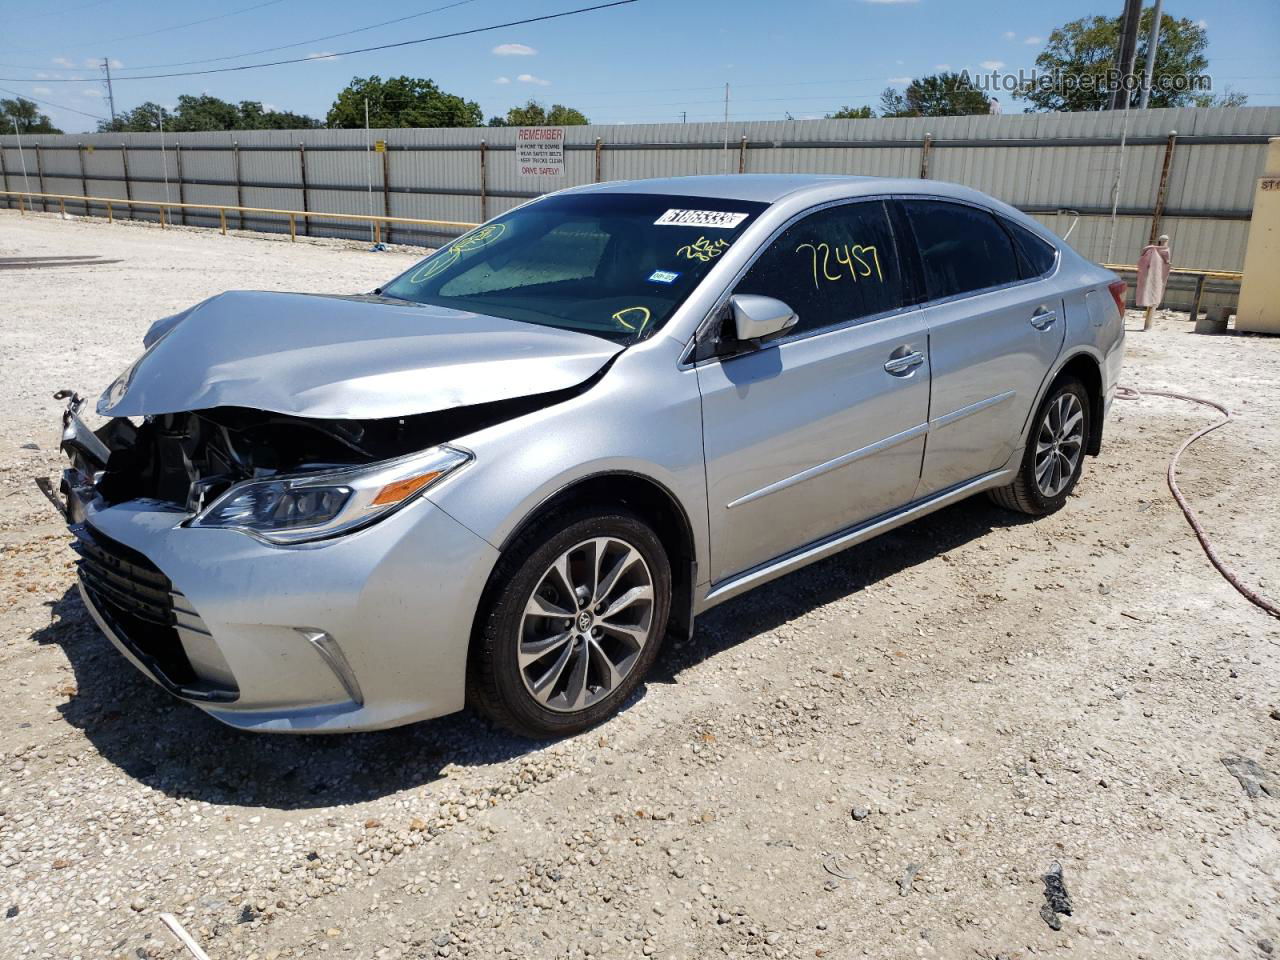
991 695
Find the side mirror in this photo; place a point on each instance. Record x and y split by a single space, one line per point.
758 318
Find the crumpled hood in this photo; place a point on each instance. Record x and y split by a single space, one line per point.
345 358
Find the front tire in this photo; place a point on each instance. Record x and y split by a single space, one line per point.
1054 458
576 611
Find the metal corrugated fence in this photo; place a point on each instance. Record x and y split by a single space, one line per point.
1040 163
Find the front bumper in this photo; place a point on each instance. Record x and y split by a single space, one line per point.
360 632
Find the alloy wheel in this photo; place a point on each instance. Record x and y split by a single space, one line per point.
585 624
1059 444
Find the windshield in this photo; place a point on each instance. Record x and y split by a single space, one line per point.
615 265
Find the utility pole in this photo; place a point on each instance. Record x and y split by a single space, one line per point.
684 116
726 128
1126 50
1153 44
111 97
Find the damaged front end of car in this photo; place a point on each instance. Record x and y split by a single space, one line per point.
215 510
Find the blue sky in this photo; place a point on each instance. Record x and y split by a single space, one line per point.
652 60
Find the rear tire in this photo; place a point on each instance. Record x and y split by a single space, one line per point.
1054 457
575 613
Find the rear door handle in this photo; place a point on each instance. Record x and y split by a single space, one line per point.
901 366
1043 319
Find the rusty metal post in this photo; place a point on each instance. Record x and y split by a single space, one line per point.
484 183
386 191
742 155
128 187
926 148
84 182
293 228
163 225
44 201
1195 302
1162 191
222 219
182 193
302 167
235 156
599 150
111 217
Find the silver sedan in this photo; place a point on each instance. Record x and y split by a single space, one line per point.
505 476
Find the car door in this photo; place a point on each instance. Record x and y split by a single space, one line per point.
994 333
824 427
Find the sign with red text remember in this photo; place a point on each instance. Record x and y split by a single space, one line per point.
540 151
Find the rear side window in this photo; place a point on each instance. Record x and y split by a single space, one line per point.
1035 257
962 249
835 265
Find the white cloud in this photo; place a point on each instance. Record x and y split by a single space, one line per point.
1202 24
1010 35
1033 41
530 78
513 50
89 92
268 107
63 62
991 64
42 76
93 63
323 55
942 67
900 80
42 91
501 79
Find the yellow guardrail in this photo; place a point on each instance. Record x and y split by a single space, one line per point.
1187 271
162 205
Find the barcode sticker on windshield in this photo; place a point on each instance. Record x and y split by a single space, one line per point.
720 219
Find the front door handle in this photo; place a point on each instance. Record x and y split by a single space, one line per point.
901 366
1043 319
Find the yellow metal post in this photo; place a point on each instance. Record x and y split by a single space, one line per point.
62 207
110 216
162 223
293 228
222 218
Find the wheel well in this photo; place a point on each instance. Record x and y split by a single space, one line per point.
652 502
1085 369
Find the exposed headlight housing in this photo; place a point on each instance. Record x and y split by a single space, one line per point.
297 508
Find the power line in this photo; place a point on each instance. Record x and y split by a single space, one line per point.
303 43
48 103
345 53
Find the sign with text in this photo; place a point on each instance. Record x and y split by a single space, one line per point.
540 151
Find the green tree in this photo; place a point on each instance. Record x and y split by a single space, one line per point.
937 95
893 104
1083 52
401 102
851 113
206 113
534 114
26 115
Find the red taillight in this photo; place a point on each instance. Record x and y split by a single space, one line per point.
1118 289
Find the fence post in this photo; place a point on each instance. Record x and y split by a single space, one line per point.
4 172
235 156
484 183
302 167
128 188
925 149
386 189
1162 191
84 183
44 201
599 150
182 193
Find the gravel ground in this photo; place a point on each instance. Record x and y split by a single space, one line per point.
882 755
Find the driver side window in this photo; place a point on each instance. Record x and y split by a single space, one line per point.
836 265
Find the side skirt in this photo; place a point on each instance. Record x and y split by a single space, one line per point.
842 540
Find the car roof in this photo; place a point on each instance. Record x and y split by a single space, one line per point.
772 187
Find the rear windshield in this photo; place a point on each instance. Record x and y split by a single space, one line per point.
615 265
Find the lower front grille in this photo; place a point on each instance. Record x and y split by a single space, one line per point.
136 600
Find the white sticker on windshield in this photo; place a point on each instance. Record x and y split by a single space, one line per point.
720 219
